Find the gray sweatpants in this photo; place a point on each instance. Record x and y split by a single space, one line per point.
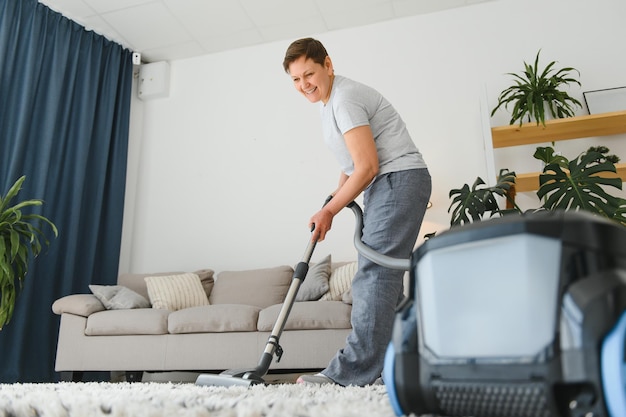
394 207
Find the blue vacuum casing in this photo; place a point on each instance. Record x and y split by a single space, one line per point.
519 316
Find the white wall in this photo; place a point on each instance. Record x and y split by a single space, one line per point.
226 172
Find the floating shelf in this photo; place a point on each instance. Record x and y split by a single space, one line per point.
602 124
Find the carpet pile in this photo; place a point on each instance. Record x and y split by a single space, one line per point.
155 399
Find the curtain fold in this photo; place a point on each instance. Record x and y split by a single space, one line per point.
64 119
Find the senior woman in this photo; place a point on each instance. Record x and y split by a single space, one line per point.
377 157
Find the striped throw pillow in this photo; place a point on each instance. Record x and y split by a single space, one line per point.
340 281
175 292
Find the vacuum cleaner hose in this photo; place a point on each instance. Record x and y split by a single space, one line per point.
369 253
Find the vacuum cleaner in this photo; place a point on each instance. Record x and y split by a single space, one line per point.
519 316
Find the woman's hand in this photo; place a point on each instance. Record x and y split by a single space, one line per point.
321 222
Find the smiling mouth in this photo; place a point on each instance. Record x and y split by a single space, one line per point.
311 91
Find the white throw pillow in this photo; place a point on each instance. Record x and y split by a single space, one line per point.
175 292
340 282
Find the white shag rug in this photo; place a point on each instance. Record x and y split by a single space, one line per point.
154 399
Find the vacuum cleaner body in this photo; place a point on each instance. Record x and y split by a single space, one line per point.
521 316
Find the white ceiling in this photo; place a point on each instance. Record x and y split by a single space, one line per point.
175 29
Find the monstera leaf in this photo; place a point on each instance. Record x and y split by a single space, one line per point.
548 156
471 204
620 213
580 187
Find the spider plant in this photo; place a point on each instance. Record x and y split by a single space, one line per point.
578 184
536 89
20 240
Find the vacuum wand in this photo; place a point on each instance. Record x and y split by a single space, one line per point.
302 268
247 377
255 375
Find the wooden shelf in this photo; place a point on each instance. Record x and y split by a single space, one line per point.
559 129
602 124
530 181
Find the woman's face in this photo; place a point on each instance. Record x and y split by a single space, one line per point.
311 79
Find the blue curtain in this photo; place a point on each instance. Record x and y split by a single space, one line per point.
64 118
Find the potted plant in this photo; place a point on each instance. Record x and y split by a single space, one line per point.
20 240
536 89
568 185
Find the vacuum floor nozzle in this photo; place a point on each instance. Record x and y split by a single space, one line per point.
229 379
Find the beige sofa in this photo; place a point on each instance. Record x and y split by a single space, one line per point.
197 322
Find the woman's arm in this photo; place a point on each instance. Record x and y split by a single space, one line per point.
362 148
342 180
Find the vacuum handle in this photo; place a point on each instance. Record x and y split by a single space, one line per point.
369 253
308 252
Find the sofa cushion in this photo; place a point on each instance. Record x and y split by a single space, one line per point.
256 287
214 318
116 297
127 322
340 281
175 292
78 304
311 315
315 283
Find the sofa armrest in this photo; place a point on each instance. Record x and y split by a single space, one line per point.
78 304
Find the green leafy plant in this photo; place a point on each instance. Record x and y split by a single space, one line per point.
563 184
533 88
471 204
20 239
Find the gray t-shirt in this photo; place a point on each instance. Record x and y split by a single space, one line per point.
353 104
